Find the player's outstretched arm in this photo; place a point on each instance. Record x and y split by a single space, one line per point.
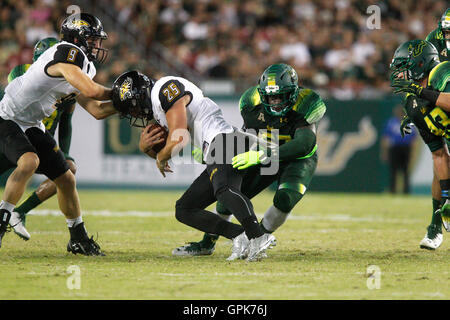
443 101
77 78
98 109
437 98
302 146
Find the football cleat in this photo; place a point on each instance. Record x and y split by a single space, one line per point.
433 239
4 221
194 249
258 246
18 226
87 247
240 247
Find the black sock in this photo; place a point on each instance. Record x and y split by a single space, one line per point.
4 219
264 229
78 232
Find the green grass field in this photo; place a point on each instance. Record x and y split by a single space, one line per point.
323 252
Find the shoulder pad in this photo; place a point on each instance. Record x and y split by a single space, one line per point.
17 71
310 105
171 91
250 98
439 76
68 53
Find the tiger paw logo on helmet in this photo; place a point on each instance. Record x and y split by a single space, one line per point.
79 23
125 89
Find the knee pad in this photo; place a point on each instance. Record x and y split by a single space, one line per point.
286 199
221 209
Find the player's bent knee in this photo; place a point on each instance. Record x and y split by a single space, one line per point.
72 166
221 209
28 162
286 199
66 180
181 212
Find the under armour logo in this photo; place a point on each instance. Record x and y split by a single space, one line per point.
261 117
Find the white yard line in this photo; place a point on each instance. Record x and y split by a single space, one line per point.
158 214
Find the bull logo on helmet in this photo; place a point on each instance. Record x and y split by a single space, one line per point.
417 50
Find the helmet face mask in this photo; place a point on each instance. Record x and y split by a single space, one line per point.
95 49
131 93
444 27
86 31
278 89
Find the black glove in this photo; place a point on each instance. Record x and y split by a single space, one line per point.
406 86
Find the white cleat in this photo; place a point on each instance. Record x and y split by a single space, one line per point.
240 247
17 224
258 246
431 243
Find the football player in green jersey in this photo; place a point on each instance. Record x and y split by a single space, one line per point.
276 106
440 37
417 72
61 118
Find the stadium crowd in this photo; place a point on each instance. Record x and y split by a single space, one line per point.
327 41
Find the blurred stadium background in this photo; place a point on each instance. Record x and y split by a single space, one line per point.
223 46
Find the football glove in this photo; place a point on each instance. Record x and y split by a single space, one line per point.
406 86
249 159
198 155
405 126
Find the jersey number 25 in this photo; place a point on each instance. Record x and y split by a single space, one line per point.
171 92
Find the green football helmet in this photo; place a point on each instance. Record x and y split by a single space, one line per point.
444 27
43 45
414 60
278 89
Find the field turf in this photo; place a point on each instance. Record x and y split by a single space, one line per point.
323 252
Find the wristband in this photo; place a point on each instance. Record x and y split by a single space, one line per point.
430 95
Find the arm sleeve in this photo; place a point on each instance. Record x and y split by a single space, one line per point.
171 92
303 145
65 131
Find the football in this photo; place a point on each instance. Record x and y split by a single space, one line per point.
157 147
